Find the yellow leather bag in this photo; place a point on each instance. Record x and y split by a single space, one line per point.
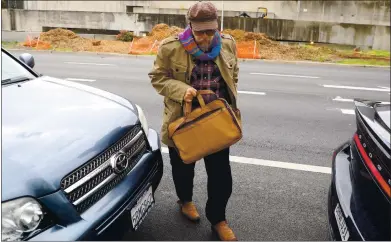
205 130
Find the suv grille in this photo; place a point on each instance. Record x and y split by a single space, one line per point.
89 183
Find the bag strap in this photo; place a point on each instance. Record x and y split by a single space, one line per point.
172 129
187 110
187 107
205 92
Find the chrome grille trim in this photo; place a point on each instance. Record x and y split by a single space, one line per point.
89 183
81 172
88 177
102 167
128 146
138 149
97 195
108 179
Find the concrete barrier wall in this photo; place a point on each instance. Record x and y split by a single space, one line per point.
27 20
90 6
372 12
381 40
5 20
21 36
376 37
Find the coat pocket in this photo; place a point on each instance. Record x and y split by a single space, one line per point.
229 61
172 109
179 71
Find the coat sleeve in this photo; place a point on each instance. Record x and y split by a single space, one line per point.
236 67
162 81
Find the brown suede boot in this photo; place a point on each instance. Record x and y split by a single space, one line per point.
190 211
224 232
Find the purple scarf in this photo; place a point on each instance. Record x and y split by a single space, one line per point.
188 42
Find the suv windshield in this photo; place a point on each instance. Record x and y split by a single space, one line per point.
12 71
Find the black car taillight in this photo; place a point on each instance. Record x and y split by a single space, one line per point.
378 177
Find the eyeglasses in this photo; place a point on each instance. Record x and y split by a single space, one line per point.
207 32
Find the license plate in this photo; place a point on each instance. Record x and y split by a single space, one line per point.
343 229
140 210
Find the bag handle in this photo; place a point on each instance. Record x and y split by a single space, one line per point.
187 108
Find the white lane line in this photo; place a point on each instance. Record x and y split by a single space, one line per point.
347 111
284 75
359 88
252 93
383 87
80 80
340 99
95 64
276 164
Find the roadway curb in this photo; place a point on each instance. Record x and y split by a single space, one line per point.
86 52
310 62
240 59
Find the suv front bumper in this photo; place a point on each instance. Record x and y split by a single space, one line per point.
71 226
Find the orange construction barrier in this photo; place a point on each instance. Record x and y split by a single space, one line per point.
248 49
142 46
37 43
148 46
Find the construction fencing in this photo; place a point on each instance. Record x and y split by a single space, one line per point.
146 46
150 46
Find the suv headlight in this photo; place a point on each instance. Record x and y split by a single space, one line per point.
143 120
19 217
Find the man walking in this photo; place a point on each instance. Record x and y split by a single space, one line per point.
200 58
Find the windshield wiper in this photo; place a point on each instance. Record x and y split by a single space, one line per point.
16 79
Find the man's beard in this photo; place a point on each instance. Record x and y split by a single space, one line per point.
204 47
204 44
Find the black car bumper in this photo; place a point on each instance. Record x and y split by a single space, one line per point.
339 198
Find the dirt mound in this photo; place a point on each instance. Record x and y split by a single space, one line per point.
237 34
249 45
162 31
110 46
295 52
241 35
58 35
250 42
66 39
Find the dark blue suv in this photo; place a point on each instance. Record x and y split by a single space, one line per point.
75 158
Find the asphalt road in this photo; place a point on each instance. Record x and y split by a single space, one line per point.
295 114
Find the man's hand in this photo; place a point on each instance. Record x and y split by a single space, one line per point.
190 94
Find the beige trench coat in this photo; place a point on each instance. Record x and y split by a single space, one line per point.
171 72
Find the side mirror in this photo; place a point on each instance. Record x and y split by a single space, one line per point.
28 59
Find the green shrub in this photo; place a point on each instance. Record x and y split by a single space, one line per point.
125 36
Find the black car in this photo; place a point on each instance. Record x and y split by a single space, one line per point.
74 158
359 198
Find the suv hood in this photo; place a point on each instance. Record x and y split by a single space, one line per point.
51 127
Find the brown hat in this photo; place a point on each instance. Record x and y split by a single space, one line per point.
203 16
